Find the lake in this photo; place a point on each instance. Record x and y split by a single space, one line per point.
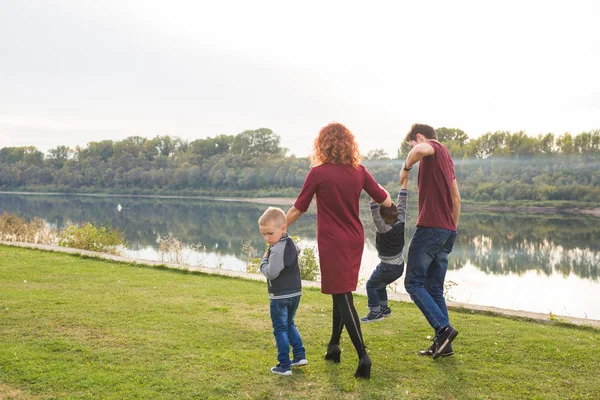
546 263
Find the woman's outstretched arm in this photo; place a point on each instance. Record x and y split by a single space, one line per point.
292 215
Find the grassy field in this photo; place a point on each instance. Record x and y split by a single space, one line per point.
79 328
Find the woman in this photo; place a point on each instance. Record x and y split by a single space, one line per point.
337 179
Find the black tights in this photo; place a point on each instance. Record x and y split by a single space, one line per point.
344 314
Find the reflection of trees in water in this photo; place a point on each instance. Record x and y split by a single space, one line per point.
216 224
497 243
502 243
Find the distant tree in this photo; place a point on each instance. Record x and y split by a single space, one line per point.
565 143
59 156
150 148
446 135
587 142
211 146
132 145
403 150
167 145
519 144
545 143
377 154
27 154
487 145
100 150
257 142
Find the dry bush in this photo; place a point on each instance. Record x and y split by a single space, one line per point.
15 229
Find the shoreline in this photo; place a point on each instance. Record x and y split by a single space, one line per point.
532 209
466 307
289 201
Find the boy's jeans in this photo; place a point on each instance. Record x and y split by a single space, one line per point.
426 268
383 275
283 312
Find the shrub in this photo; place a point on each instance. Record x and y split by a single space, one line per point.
307 260
171 249
309 266
87 236
15 229
252 263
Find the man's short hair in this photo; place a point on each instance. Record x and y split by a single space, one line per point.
423 129
273 215
389 214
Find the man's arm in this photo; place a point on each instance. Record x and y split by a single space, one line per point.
415 155
292 215
455 202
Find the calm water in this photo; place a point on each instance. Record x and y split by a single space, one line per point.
534 262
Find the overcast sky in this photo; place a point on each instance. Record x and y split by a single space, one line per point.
75 71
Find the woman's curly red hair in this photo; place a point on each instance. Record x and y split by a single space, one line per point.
335 144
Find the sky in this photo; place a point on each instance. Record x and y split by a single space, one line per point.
76 71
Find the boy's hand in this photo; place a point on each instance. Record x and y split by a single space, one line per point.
403 179
403 176
266 255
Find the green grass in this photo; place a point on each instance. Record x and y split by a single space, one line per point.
81 328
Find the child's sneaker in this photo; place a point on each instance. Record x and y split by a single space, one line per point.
278 369
372 316
299 361
386 311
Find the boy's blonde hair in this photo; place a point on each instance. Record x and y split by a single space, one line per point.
273 214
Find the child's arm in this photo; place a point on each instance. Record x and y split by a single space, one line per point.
380 224
401 204
272 265
402 199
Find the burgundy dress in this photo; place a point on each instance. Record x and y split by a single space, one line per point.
340 234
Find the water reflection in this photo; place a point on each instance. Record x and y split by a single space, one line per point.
495 243
501 243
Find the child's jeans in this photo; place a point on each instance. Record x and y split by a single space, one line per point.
283 312
383 275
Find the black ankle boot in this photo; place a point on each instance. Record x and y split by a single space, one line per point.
333 353
364 367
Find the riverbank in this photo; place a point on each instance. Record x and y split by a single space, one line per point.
74 327
531 209
473 308
289 201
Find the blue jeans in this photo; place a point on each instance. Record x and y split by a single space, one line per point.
426 268
283 312
383 275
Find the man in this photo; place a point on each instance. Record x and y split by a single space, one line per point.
433 240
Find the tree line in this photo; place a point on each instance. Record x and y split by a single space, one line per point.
499 166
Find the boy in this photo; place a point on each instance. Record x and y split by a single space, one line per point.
389 241
280 265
